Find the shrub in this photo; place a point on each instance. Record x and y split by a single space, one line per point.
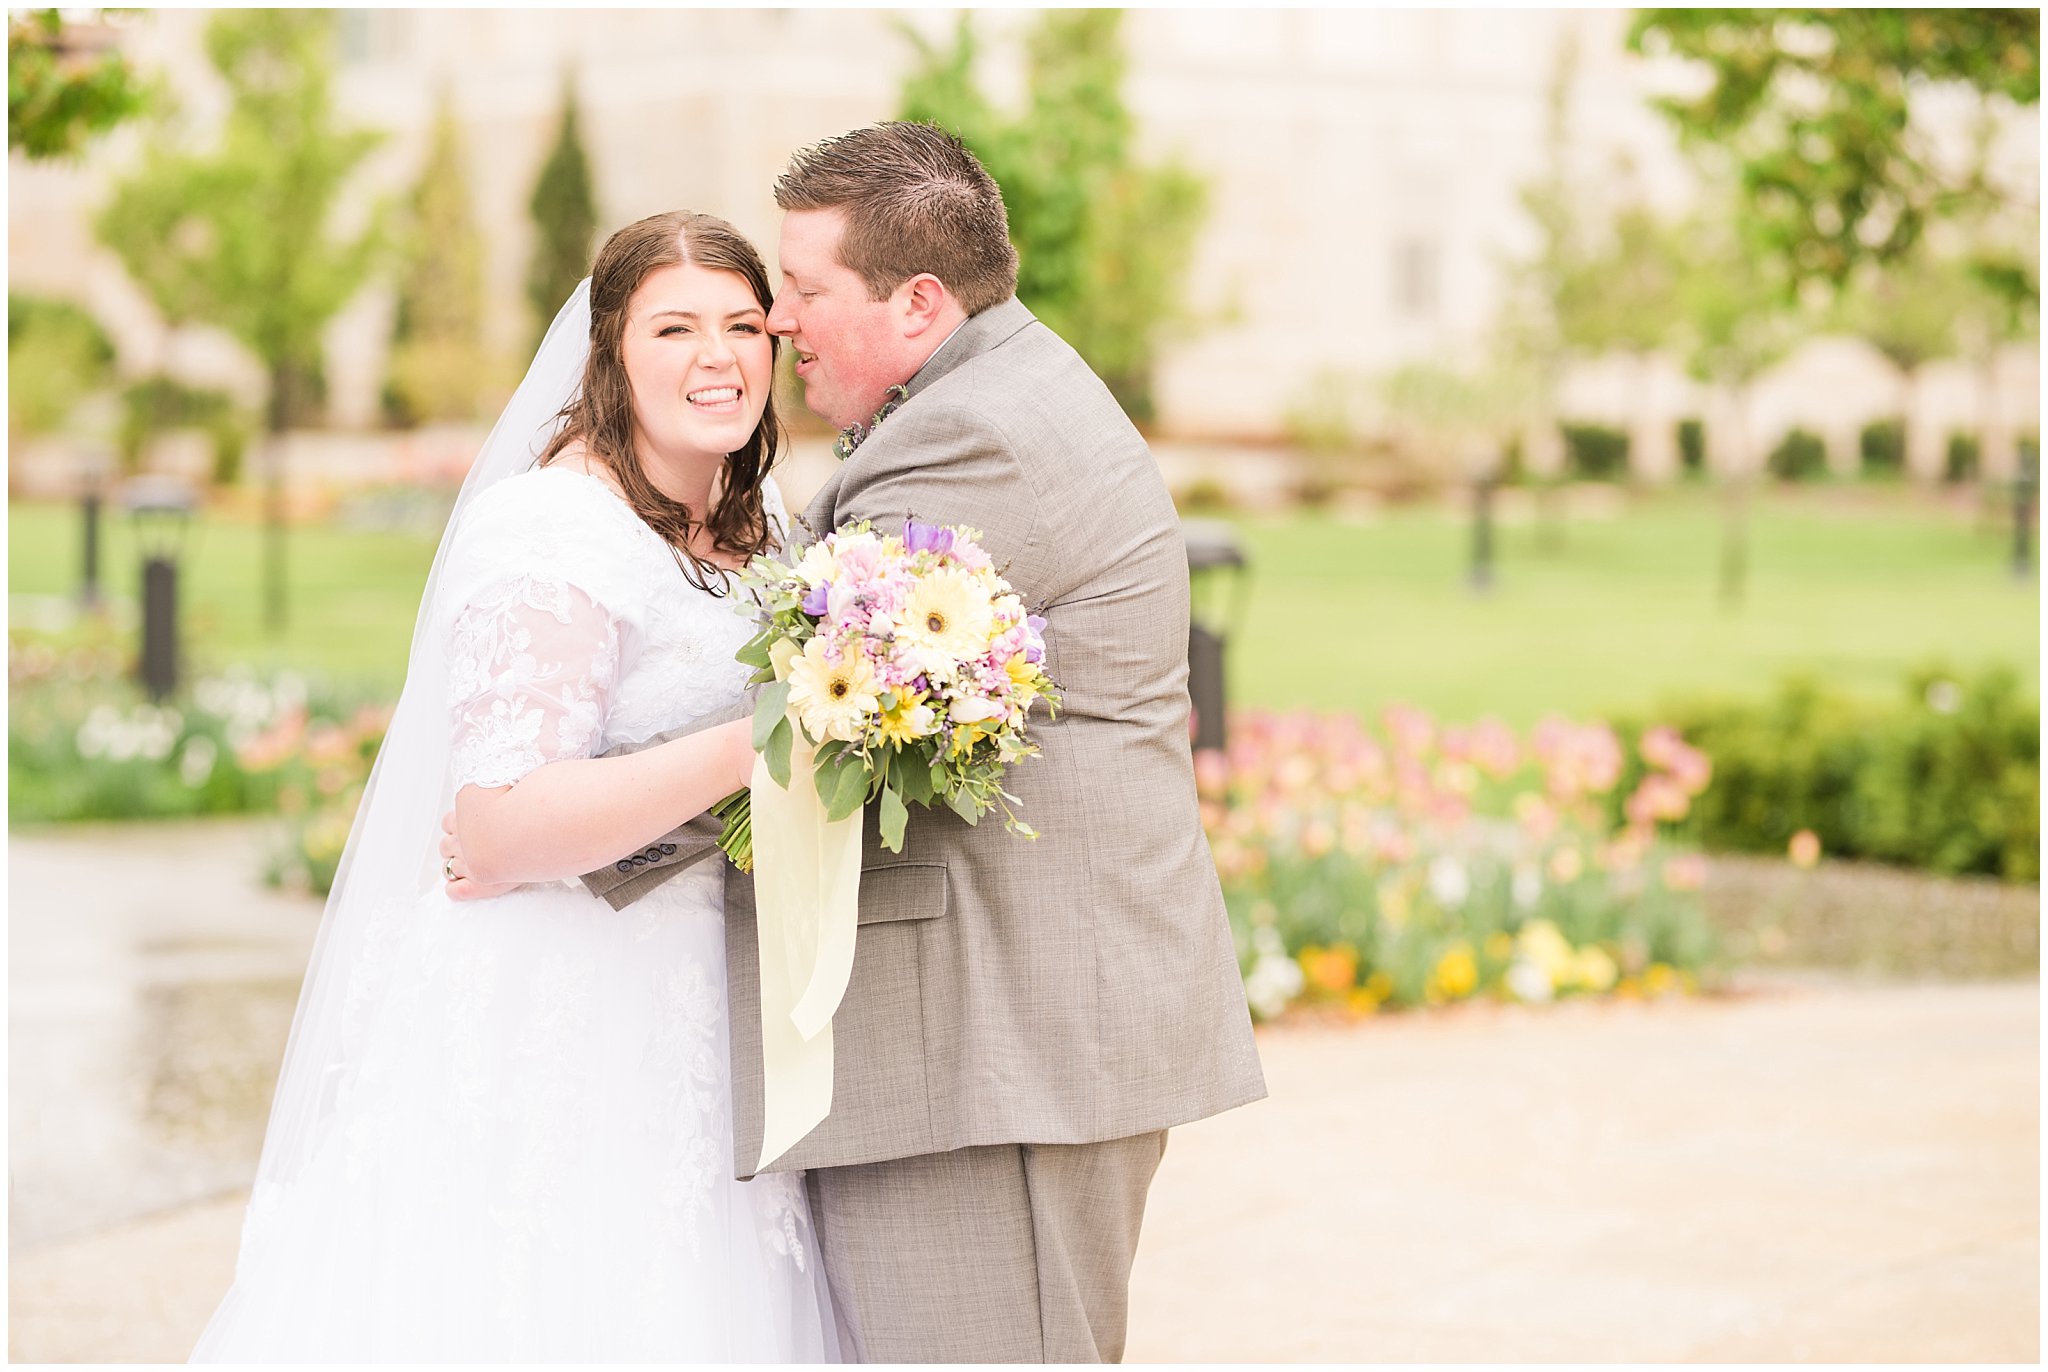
1595 452
1692 447
158 403
1946 778
1883 448
1962 459
1799 456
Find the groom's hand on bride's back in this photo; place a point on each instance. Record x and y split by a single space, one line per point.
456 882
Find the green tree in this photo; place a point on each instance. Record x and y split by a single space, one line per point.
1816 105
242 236
1737 320
438 367
565 218
57 355
63 87
1103 241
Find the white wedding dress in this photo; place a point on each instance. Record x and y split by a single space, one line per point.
531 1159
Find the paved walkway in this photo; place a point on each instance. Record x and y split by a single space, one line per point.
1815 1171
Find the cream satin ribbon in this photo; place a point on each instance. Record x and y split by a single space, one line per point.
806 903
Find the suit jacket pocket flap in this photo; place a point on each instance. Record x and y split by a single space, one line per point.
905 890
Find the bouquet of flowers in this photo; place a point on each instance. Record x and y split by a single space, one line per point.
908 664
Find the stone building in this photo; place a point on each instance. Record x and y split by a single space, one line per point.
1365 170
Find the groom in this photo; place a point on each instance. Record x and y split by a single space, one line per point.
1026 1018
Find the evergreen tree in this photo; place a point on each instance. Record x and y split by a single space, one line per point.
1103 242
565 216
438 366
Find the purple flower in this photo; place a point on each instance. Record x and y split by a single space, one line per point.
927 538
1034 645
814 603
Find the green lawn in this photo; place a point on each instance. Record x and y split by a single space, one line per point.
1856 586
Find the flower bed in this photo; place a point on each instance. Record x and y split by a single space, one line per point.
86 743
1419 864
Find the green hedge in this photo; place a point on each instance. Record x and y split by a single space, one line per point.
1800 456
1946 778
1595 452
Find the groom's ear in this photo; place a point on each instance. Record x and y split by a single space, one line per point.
925 303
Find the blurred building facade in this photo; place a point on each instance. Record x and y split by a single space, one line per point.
1365 170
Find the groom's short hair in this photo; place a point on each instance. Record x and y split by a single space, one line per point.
916 200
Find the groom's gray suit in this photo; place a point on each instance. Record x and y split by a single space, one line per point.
1025 1018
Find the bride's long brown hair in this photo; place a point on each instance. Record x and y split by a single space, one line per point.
601 415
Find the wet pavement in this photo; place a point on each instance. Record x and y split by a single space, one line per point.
1817 1170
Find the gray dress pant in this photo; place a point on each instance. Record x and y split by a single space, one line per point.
1015 1252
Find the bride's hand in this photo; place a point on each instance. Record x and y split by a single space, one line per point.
456 882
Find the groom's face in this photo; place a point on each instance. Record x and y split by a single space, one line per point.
850 349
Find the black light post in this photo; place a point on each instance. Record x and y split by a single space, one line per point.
162 510
1485 477
2025 490
1212 548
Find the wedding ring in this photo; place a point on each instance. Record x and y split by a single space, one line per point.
448 868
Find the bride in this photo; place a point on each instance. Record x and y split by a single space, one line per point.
502 1131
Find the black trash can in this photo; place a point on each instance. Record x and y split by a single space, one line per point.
1215 558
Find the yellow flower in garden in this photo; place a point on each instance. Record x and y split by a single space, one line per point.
832 699
1500 946
1593 969
1380 985
1457 972
1362 1001
1659 979
948 614
910 718
1543 945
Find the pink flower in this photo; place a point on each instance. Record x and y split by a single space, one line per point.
1686 872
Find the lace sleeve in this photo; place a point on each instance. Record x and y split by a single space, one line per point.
533 663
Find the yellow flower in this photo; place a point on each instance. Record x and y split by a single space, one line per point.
1380 985
948 618
1594 969
1362 1001
1457 973
832 700
1024 680
1500 946
1659 979
910 719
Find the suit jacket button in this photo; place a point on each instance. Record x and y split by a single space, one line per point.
654 855
639 859
625 864
668 847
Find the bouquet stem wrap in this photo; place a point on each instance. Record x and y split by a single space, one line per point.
806 901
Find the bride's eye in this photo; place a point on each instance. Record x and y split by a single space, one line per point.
672 329
747 328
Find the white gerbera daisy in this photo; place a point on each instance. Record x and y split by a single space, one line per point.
832 699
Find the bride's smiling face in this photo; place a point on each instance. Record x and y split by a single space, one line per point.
699 361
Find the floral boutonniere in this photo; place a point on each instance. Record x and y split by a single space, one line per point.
852 435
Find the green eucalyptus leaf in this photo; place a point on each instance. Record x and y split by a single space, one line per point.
771 709
776 752
894 817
